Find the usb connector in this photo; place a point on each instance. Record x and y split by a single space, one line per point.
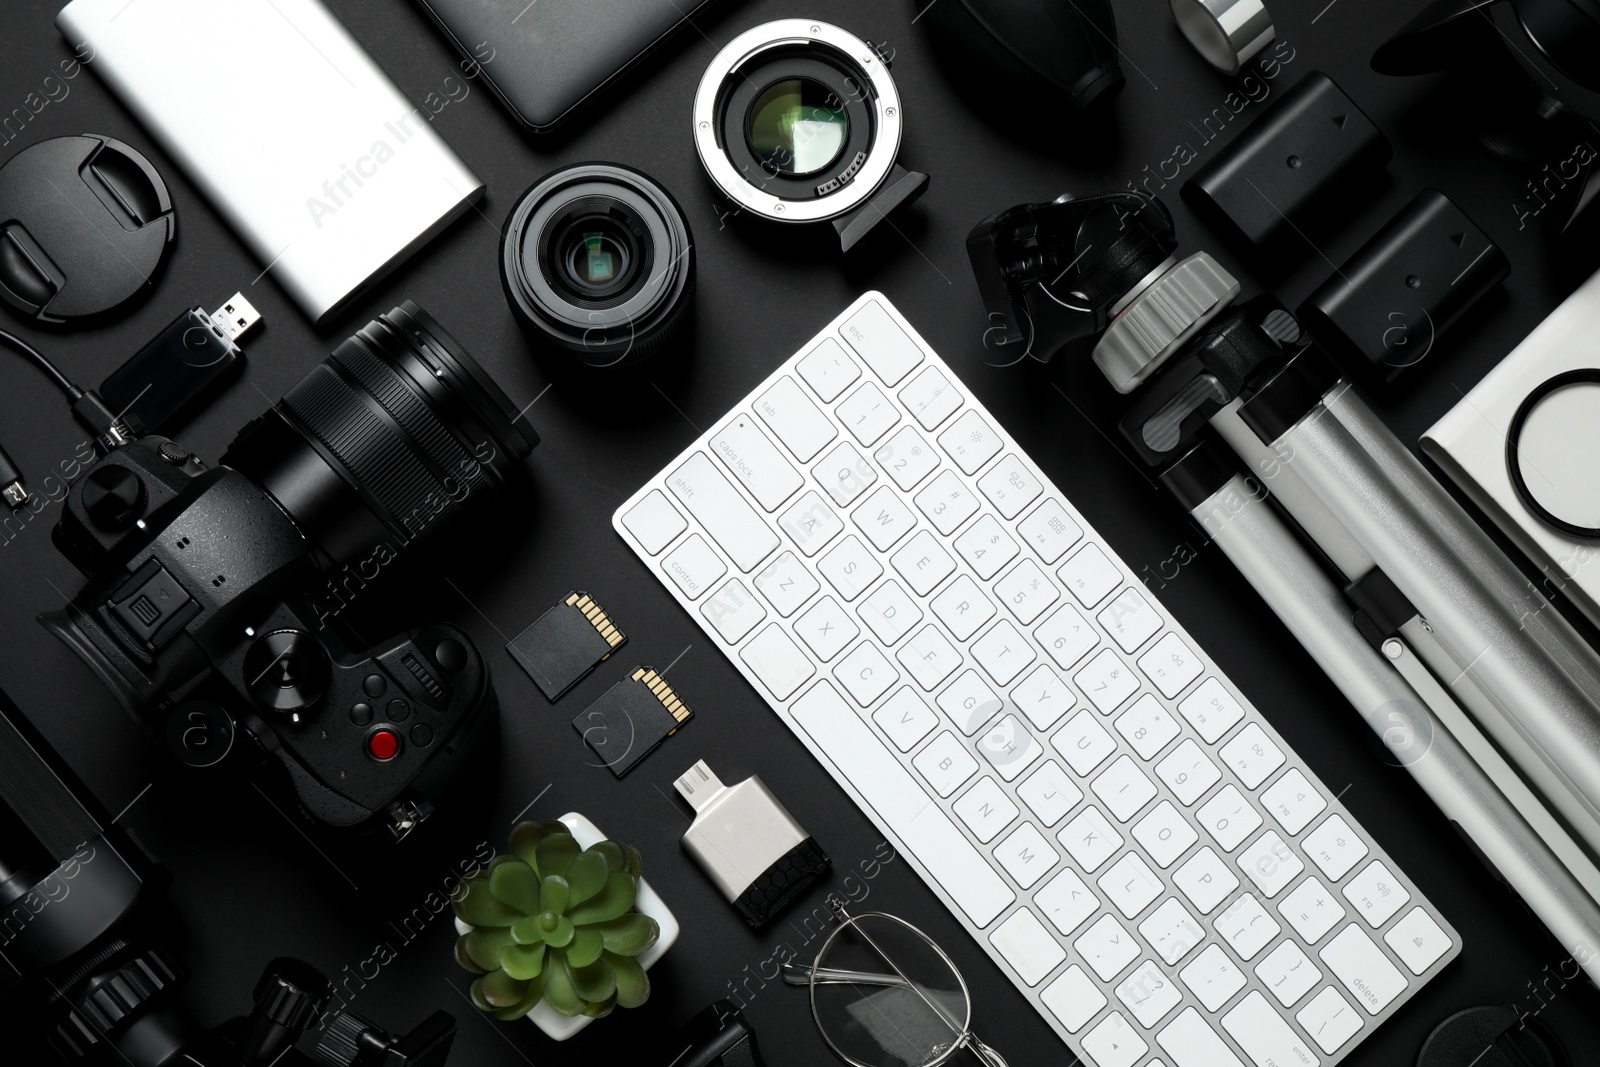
236 317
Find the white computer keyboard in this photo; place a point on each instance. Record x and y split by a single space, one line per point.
1140 852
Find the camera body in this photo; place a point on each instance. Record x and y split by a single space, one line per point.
197 616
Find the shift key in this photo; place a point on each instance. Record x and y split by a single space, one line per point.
756 462
732 523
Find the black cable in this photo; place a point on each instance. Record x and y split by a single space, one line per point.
64 383
87 407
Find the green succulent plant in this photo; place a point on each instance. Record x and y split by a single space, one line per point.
556 923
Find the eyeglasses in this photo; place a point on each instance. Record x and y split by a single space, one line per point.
885 995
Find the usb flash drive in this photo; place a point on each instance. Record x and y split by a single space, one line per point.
748 843
182 367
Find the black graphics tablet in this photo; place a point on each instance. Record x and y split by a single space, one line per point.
543 58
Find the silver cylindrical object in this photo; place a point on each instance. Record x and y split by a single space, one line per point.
1227 33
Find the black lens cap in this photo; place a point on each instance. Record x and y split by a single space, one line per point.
85 224
1493 1037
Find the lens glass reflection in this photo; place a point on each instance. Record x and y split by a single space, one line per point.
797 127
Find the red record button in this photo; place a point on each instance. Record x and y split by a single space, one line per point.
383 745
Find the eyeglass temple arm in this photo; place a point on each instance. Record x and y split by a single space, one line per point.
805 974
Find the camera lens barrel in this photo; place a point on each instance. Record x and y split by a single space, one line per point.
598 265
383 440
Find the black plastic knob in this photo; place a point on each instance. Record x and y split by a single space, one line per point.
291 993
341 1042
114 497
287 670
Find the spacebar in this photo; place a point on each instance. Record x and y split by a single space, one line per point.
924 830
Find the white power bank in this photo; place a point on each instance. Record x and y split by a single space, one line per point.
329 174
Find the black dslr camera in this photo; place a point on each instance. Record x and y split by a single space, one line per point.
200 610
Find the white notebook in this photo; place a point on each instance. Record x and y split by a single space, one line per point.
330 175
1469 444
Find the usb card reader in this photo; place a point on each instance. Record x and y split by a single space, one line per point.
748 843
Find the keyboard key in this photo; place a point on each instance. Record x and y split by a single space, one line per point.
1107 681
1149 994
1229 818
986 810
1247 927
907 458
929 657
1288 973
786 584
1329 1019
1147 726
1205 880
1083 743
777 661
1049 793
945 764
694 566
969 703
1066 901
1114 1043
795 420
845 474
889 612
1124 789
1188 772
1293 801
1050 531
731 522
1009 747
866 675
1363 968
1130 619
1312 909
1010 486
1212 978
1066 636
828 370
1264 1036
986 547
1376 893
811 523
1024 943
1171 665
734 611
850 568
1211 710
947 502
880 341
867 413
1334 847
1107 947
1074 999
756 462
963 607
931 398
1090 839
1164 833
883 518
1270 863
1043 697
1418 941
1130 885
1003 652
892 795
1091 575
826 628
970 442
1191 1042
923 563
1252 756
1026 855
653 522
905 719
1027 591
1172 931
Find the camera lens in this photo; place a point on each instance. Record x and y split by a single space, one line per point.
598 264
383 441
797 127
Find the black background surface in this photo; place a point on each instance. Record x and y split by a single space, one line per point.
249 886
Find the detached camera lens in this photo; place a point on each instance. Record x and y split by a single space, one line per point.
598 265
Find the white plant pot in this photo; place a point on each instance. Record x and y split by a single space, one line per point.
552 1022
